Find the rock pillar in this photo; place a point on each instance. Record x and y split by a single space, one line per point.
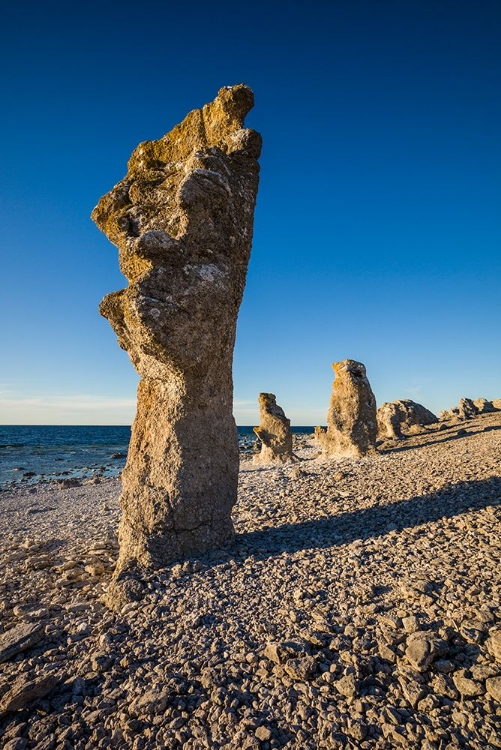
182 220
351 419
274 431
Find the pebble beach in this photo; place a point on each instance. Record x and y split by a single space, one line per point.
357 607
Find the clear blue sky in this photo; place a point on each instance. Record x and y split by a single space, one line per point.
377 229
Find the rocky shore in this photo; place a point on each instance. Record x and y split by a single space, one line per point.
357 607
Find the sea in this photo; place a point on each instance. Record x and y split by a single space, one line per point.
33 454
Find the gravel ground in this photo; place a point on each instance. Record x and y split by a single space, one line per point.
358 607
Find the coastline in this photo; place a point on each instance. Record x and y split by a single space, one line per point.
306 631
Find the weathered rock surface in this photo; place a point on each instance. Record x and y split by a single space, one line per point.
182 219
483 406
273 431
395 418
18 639
351 419
467 409
24 691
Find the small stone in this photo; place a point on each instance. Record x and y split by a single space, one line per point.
410 624
493 687
23 692
347 686
467 687
494 645
263 734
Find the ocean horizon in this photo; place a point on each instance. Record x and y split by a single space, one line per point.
41 453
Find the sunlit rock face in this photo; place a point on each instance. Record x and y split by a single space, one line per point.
274 432
351 419
397 417
182 220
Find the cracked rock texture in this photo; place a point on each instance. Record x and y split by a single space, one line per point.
182 219
351 419
273 431
399 416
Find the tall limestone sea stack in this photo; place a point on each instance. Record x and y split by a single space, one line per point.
182 220
351 419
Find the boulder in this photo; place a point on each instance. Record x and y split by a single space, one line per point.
182 220
351 419
397 417
274 431
483 406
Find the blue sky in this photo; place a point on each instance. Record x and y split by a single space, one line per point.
377 229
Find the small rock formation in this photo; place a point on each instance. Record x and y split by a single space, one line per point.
468 408
397 417
273 431
483 406
182 219
351 419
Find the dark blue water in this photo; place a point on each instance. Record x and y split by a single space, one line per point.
34 454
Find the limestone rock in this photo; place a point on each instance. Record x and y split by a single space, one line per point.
483 406
24 691
19 639
466 409
273 431
351 419
395 418
182 219
493 686
496 403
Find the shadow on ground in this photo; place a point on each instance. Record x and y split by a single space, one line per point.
425 439
371 522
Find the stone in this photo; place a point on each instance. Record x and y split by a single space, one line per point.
483 406
347 686
496 403
19 638
279 653
274 432
493 687
351 419
466 686
24 691
182 220
423 648
466 408
395 418
263 734
494 645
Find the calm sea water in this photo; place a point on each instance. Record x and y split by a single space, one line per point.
34 454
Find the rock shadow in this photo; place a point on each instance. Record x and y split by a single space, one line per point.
463 433
366 523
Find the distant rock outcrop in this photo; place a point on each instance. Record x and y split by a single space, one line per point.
351 419
496 403
467 409
483 406
397 417
182 219
273 431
